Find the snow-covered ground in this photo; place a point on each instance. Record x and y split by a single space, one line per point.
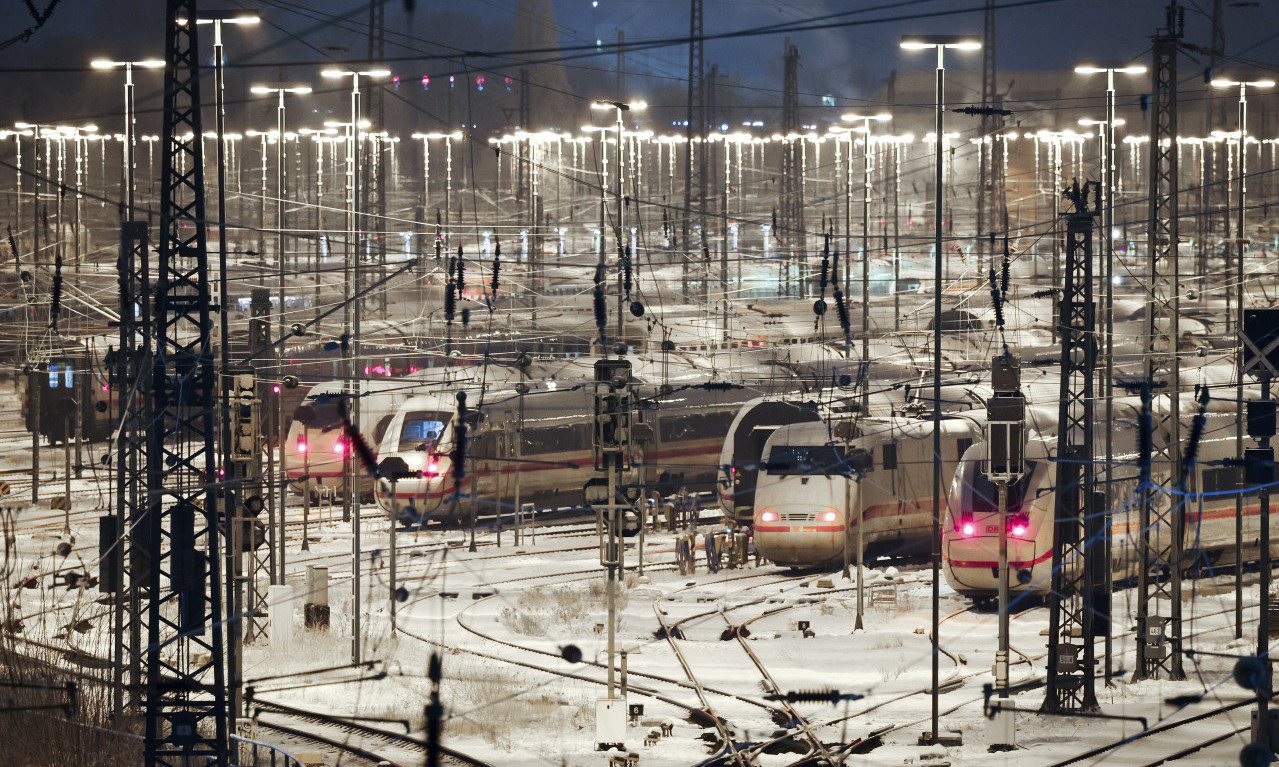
505 615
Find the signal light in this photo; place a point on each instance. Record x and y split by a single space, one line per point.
426 82
768 515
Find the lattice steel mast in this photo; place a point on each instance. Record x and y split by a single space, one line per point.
695 168
790 219
1071 618
1162 519
186 707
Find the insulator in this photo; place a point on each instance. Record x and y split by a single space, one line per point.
825 271
627 272
55 304
812 696
834 268
356 439
999 312
459 444
1196 435
994 288
450 302
719 386
13 245
842 310
497 269
1003 280
466 316
461 270
1045 293
601 313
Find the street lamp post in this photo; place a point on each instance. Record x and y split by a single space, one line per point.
280 193
1240 239
940 43
351 330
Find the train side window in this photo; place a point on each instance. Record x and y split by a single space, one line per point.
890 457
961 447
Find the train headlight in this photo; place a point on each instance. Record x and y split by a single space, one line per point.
827 516
768 515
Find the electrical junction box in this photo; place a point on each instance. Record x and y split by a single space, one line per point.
610 724
1001 726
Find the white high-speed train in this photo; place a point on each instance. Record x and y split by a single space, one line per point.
808 503
971 533
684 425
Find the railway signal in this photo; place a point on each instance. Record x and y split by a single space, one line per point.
612 443
1006 442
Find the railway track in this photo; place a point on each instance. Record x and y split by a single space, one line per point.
448 756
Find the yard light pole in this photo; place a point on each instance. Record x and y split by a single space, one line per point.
351 331
619 227
940 43
1108 185
864 129
281 333
1240 239
130 118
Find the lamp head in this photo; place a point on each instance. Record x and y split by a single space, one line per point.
922 42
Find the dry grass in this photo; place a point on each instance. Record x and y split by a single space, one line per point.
559 611
37 733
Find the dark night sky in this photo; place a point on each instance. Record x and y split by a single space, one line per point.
848 63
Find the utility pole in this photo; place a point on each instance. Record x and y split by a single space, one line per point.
1073 618
186 706
1162 523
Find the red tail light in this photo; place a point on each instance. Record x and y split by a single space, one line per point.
967 527
768 515
432 469
301 444
339 447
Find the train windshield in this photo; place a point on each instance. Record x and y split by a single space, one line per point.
422 429
981 496
824 460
